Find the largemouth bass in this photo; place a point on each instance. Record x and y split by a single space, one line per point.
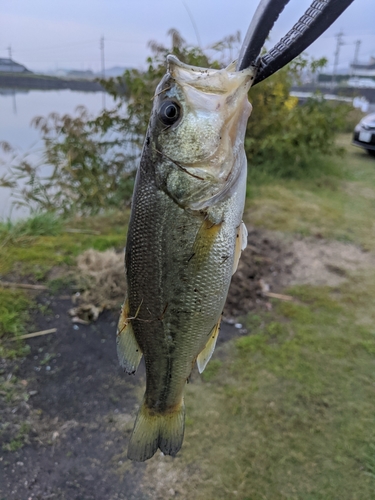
184 240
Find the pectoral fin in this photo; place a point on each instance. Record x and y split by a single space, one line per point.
128 350
205 355
241 244
204 240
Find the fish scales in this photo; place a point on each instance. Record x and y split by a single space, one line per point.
181 246
192 302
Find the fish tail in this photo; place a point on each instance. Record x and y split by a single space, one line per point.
154 430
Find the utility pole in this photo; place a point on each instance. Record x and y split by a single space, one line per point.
337 53
10 57
356 53
103 65
11 69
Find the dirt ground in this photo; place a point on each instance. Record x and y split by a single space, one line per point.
73 409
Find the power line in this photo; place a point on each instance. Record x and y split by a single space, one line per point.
192 20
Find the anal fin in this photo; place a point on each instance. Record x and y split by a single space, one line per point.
128 350
241 244
205 355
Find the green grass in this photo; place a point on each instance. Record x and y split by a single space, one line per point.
20 439
14 319
290 413
38 224
339 204
35 246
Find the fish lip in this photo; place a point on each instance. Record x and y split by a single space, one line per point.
211 80
172 59
231 68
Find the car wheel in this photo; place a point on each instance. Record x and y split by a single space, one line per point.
371 152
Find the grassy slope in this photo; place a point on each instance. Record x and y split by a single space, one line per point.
336 208
288 412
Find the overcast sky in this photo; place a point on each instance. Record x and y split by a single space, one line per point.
50 34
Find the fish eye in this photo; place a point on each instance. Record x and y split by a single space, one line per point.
169 112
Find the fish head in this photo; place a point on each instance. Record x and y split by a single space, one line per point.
197 131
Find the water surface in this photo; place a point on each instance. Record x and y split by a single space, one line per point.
16 113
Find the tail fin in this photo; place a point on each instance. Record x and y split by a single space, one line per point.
152 431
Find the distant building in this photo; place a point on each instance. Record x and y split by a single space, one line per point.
364 69
10 66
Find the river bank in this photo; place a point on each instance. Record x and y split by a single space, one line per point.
33 81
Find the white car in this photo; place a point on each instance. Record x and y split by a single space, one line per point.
364 134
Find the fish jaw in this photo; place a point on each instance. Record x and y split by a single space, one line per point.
197 157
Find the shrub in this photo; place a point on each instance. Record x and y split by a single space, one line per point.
90 161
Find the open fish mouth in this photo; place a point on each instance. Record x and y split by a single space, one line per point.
213 102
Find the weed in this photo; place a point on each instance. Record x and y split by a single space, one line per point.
38 224
212 369
250 344
14 316
37 254
44 309
370 461
20 439
57 284
47 358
